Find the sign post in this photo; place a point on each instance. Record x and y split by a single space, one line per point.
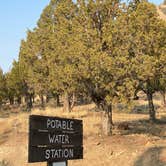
65 163
54 140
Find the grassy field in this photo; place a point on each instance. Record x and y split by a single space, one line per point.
143 144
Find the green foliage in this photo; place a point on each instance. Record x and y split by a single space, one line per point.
14 82
105 49
99 66
148 46
147 49
63 56
2 86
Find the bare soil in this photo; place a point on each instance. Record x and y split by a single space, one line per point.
142 144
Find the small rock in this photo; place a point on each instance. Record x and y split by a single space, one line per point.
111 153
123 126
98 143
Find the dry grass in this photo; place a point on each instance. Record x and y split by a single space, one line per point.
90 119
127 148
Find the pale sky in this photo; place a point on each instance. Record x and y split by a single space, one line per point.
16 17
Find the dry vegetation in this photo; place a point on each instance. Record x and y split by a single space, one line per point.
162 11
143 144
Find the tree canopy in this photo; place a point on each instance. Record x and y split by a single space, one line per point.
107 50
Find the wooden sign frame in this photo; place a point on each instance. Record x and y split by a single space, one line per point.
54 139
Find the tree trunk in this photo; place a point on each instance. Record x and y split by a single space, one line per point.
81 99
30 100
66 104
23 100
11 100
42 101
19 100
72 102
107 123
33 98
0 103
135 95
164 98
48 98
152 113
57 100
29 104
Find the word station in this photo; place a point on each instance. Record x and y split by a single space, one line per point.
59 153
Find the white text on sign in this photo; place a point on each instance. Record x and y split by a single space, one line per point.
59 153
60 124
60 139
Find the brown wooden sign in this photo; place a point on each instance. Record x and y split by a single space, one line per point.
54 139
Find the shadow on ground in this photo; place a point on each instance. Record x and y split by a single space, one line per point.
144 126
152 157
143 109
137 109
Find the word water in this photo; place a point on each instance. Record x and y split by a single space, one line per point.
59 139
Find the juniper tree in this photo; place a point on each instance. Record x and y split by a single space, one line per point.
101 48
103 70
2 87
25 66
14 84
148 44
62 56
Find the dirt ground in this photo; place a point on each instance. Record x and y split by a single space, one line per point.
143 144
